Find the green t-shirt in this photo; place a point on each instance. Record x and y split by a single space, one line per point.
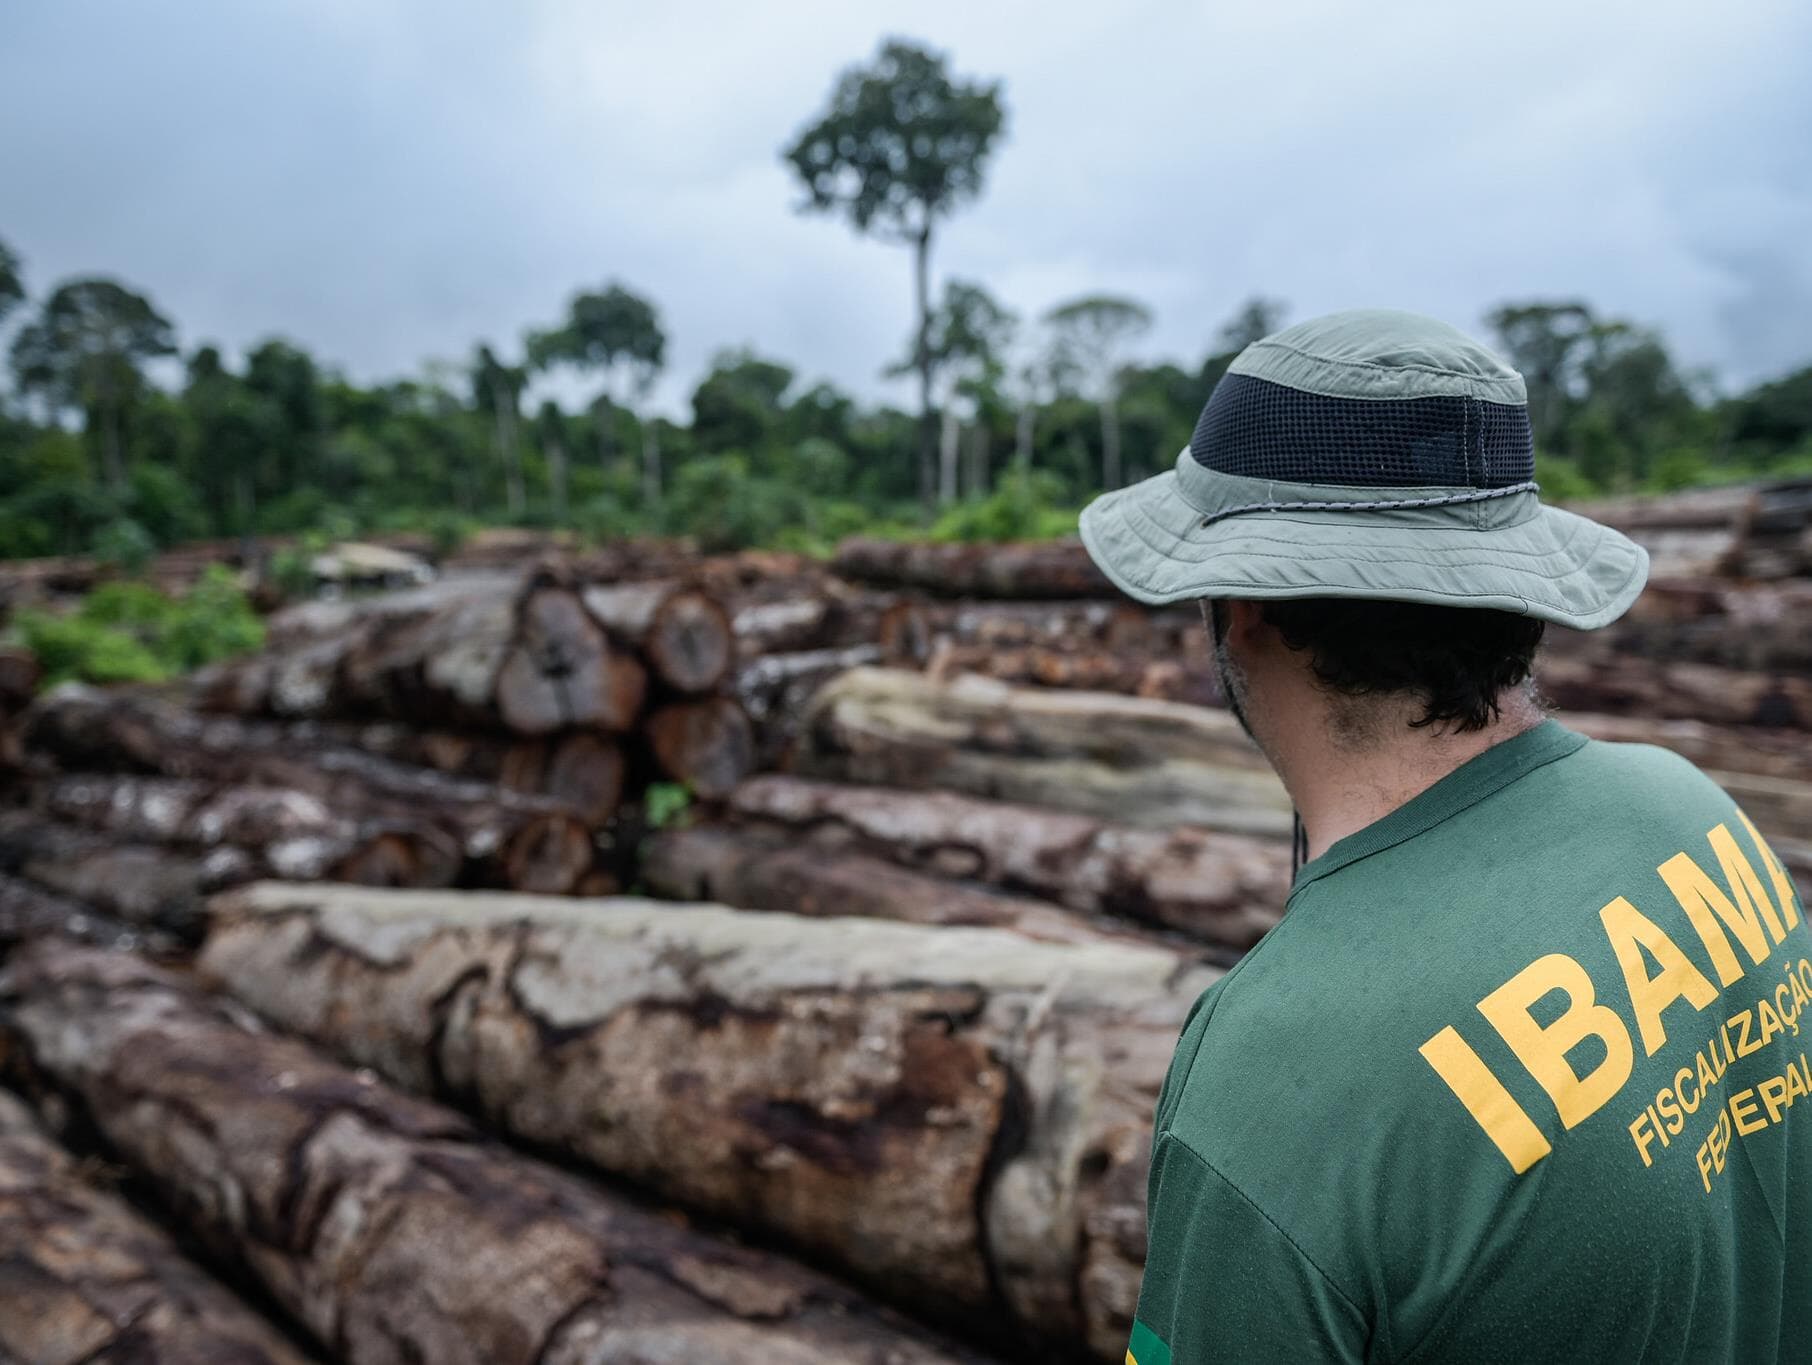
1514 1079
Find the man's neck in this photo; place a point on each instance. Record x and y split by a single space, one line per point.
1341 787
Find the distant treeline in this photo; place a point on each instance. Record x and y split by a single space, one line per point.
96 458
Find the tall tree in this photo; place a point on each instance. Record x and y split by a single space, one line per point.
85 349
550 431
969 334
1549 342
234 430
901 145
1095 331
12 280
616 333
497 390
1256 319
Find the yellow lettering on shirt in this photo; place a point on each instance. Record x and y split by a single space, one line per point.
1705 903
1544 1050
1630 931
1783 888
1492 1107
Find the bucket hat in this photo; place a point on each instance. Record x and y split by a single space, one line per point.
1368 454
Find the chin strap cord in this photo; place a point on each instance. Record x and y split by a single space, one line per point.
1299 844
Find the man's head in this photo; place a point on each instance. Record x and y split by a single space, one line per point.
1359 499
1369 671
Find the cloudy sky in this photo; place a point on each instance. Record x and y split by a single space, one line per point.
389 181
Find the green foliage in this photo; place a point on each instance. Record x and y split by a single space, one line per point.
124 544
1024 507
130 632
12 280
667 804
901 143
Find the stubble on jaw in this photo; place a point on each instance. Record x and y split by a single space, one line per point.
1227 672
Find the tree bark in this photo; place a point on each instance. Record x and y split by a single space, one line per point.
707 744
556 477
1041 569
776 692
1138 762
288 833
503 407
960 1117
532 843
85 1278
1110 440
28 912
139 884
683 634
1218 888
762 871
1023 430
1676 691
651 465
949 444
1160 679
391 1229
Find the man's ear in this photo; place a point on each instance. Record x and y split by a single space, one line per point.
1245 623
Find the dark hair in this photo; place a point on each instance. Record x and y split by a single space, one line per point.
1457 659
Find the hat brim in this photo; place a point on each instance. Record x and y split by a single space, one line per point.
1155 544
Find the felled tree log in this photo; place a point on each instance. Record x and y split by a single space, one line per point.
1133 675
761 872
85 1278
1725 748
142 884
1756 627
516 840
707 744
531 661
958 1116
20 674
28 911
682 634
776 690
1139 762
1219 888
387 1226
290 833
1585 678
1055 568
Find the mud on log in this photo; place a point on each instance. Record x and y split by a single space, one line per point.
958 1116
85 1278
1131 760
386 1225
1219 888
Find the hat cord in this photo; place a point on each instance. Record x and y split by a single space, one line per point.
1380 505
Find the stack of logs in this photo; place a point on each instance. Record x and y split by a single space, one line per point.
898 1009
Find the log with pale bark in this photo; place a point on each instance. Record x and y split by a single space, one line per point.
85 1278
958 1116
1023 569
683 635
1132 760
1220 888
761 871
387 1226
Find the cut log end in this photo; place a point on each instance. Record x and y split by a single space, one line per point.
709 745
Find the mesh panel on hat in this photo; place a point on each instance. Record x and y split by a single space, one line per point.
1260 429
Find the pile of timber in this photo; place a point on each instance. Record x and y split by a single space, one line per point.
1753 531
384 1228
956 1117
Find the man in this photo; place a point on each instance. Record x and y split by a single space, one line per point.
1520 1075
